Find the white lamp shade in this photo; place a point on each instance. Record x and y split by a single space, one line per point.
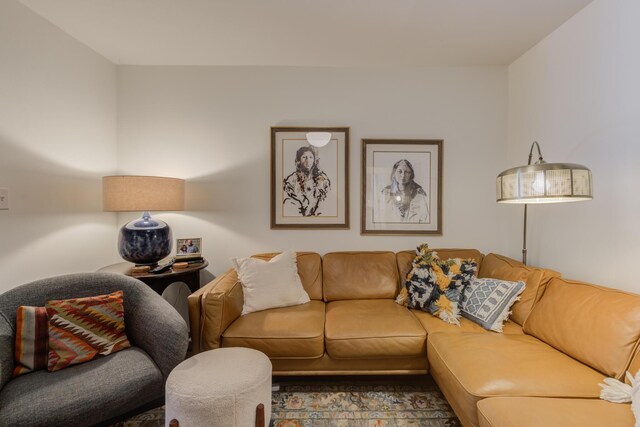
544 183
319 139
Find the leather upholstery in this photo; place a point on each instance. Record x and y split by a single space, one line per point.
286 332
433 324
377 328
359 275
405 258
212 309
634 367
536 412
597 326
536 279
328 366
361 330
309 269
469 367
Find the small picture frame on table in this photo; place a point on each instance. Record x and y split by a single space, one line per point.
189 249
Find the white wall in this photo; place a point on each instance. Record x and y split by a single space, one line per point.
578 94
211 125
57 138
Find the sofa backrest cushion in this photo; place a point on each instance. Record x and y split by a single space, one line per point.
309 269
597 326
536 280
405 258
634 366
359 275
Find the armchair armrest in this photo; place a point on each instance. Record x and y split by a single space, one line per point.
212 309
6 351
155 326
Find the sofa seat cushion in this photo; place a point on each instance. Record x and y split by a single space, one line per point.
470 366
433 324
374 328
90 391
285 332
535 411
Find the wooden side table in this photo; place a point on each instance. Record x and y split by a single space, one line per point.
159 282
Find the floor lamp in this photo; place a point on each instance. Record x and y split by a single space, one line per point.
543 182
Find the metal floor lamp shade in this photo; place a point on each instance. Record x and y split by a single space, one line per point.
144 241
543 182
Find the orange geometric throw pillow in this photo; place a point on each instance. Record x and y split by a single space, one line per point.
82 328
31 340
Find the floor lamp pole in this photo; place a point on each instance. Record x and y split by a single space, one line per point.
543 182
524 237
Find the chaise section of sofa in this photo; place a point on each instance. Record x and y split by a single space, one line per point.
469 367
576 335
539 411
559 411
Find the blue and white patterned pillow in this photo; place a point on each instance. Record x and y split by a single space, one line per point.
487 301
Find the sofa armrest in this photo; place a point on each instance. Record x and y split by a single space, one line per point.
212 309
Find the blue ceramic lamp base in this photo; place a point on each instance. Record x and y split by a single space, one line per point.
145 241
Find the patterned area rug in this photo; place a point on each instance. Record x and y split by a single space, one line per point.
380 401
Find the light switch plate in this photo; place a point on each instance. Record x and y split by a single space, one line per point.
4 199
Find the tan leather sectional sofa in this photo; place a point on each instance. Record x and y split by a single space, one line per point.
562 339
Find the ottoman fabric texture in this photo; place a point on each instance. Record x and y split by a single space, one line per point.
220 387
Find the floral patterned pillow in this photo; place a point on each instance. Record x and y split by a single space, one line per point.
436 285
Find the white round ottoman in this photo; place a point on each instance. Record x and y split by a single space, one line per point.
221 387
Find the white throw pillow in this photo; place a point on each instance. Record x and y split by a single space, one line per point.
270 284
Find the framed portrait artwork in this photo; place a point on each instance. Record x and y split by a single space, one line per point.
309 183
401 186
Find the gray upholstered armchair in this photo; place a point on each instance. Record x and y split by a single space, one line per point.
101 389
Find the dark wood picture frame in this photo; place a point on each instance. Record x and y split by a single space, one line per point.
309 200
412 206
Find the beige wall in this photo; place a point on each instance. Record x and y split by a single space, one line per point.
578 94
57 138
210 125
67 117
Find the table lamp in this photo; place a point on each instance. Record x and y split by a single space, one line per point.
543 182
144 241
